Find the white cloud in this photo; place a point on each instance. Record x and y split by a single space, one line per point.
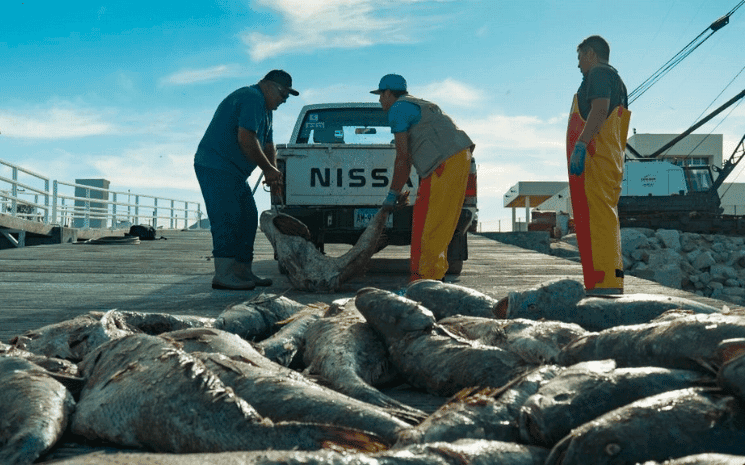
311 25
450 93
193 76
57 122
516 133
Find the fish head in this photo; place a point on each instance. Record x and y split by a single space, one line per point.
391 314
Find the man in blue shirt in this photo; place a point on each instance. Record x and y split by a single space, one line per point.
431 142
238 139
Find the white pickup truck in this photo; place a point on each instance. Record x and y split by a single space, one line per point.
337 169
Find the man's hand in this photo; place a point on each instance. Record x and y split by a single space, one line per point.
395 199
273 177
577 160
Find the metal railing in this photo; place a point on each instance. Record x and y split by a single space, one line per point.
31 196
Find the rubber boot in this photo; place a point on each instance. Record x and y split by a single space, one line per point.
226 277
243 270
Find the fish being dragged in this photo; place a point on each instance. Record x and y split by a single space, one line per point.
286 346
157 323
703 459
144 392
588 390
350 356
536 342
258 318
74 339
281 399
445 299
465 452
661 427
429 356
310 270
35 411
481 413
564 300
688 341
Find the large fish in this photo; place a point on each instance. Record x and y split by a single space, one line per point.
588 390
287 345
74 339
669 425
465 452
688 341
144 392
564 300
445 299
536 342
35 411
281 398
429 356
731 374
258 318
156 323
310 270
703 459
481 413
350 356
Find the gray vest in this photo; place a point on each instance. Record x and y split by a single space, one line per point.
435 138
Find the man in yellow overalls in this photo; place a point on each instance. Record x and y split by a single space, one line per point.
596 141
428 139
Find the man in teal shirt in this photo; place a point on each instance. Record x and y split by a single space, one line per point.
238 139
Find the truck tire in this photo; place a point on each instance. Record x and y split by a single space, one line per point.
454 267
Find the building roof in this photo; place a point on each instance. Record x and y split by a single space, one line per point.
538 191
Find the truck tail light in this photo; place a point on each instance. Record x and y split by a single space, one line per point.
471 186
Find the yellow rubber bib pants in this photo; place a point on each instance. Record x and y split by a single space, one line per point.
595 195
439 201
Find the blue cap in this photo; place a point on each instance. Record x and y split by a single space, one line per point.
390 82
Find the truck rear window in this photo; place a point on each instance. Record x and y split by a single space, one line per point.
345 126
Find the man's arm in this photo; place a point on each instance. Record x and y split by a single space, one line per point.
595 119
402 165
265 159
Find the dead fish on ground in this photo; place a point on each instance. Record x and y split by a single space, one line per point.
564 300
445 299
258 318
465 452
51 364
669 425
35 411
536 342
731 374
588 390
350 356
157 323
310 270
481 413
281 398
144 392
74 339
286 346
703 459
429 356
211 340
688 341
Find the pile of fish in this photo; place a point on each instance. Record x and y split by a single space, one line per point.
542 376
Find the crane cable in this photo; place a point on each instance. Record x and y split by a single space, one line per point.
680 56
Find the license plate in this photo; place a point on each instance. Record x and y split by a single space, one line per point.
363 216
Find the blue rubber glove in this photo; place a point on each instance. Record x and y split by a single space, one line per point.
391 199
577 160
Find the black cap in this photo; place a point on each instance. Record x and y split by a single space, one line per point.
282 78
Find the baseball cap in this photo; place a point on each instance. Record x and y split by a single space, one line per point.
282 78
390 82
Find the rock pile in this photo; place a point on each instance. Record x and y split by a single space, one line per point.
710 265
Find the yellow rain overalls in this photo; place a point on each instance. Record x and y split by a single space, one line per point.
595 195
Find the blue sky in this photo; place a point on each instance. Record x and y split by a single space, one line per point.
124 90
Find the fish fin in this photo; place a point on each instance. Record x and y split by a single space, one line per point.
350 440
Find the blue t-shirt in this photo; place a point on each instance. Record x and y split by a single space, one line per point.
219 149
403 115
